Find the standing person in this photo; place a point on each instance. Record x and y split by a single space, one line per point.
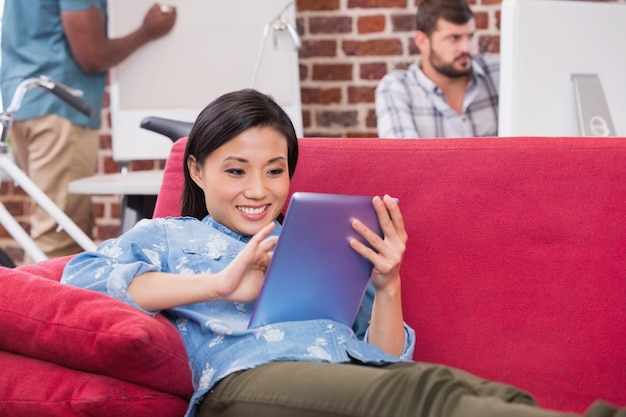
204 270
448 92
54 143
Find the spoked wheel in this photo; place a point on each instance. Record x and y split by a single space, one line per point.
5 260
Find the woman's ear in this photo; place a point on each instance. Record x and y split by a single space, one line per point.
195 170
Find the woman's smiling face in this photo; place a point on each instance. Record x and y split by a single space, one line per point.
246 180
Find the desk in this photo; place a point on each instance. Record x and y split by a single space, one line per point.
137 188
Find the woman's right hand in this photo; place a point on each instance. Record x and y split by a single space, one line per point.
241 280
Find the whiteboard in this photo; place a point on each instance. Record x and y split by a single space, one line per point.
215 47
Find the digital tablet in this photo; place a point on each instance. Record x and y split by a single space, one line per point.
314 273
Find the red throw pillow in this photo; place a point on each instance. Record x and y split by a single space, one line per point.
30 387
90 332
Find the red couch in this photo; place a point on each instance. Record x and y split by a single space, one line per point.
515 270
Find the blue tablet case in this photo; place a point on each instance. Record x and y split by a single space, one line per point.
314 273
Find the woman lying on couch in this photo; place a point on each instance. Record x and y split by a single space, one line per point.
203 271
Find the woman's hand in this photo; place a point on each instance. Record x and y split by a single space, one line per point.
386 253
386 326
241 280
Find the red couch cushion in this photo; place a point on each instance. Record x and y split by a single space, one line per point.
90 332
34 388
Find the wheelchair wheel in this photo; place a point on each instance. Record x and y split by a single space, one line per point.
5 260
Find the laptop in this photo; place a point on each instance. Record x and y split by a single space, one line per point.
314 273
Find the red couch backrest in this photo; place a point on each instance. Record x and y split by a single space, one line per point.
516 263
168 201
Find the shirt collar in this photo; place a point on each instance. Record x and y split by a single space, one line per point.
231 233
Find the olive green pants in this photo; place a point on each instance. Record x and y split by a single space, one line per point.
405 389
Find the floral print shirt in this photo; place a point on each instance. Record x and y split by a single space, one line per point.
215 334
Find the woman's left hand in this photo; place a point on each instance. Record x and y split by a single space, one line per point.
386 253
386 329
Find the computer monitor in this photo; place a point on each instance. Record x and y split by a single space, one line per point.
549 46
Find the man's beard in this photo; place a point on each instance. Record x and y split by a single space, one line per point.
448 69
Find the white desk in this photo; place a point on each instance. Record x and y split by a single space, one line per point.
131 183
137 188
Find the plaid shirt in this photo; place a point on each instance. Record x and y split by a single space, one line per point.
410 105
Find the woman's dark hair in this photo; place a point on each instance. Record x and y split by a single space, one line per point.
430 11
222 120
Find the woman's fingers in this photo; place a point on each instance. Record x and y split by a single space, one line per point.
263 233
393 210
391 224
385 253
389 217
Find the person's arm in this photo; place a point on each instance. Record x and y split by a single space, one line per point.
394 117
386 329
86 33
240 281
130 269
387 325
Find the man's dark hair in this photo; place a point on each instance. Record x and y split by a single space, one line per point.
453 11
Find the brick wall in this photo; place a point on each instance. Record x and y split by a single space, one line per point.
347 46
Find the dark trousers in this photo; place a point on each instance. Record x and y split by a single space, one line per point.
302 389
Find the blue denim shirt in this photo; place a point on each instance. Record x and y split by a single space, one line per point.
215 333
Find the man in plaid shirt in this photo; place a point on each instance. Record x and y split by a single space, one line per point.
446 93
